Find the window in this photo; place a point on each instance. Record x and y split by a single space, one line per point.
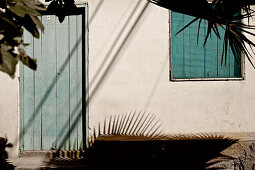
190 61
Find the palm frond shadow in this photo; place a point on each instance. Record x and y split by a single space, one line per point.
220 13
140 125
135 141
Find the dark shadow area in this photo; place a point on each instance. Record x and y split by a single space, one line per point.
115 152
133 152
61 8
134 141
4 164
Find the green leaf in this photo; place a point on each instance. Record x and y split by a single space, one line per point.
11 31
29 24
25 59
8 61
25 44
28 61
8 25
22 9
35 4
17 39
37 22
18 11
5 47
1 36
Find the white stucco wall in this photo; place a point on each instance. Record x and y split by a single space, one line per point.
129 70
9 117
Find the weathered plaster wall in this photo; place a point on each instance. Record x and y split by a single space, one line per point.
9 111
129 71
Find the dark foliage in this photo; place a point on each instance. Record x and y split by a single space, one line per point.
14 16
61 8
4 155
220 13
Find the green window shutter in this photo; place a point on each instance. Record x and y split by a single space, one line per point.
191 61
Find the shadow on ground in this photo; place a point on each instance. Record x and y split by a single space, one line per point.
133 152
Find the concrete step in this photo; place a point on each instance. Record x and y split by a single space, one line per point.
42 154
32 163
35 160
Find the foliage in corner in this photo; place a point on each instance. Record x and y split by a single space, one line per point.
15 15
4 164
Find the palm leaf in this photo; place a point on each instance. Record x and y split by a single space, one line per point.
191 22
219 13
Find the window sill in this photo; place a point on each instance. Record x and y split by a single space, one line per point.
207 79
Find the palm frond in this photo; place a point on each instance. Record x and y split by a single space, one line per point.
199 23
191 22
224 13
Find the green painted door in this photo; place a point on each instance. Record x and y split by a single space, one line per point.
52 107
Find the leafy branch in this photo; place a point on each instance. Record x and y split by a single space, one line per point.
15 15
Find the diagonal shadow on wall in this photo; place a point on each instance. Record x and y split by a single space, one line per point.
63 136
72 127
116 55
48 91
118 37
102 78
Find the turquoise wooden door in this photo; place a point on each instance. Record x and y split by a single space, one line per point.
53 115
